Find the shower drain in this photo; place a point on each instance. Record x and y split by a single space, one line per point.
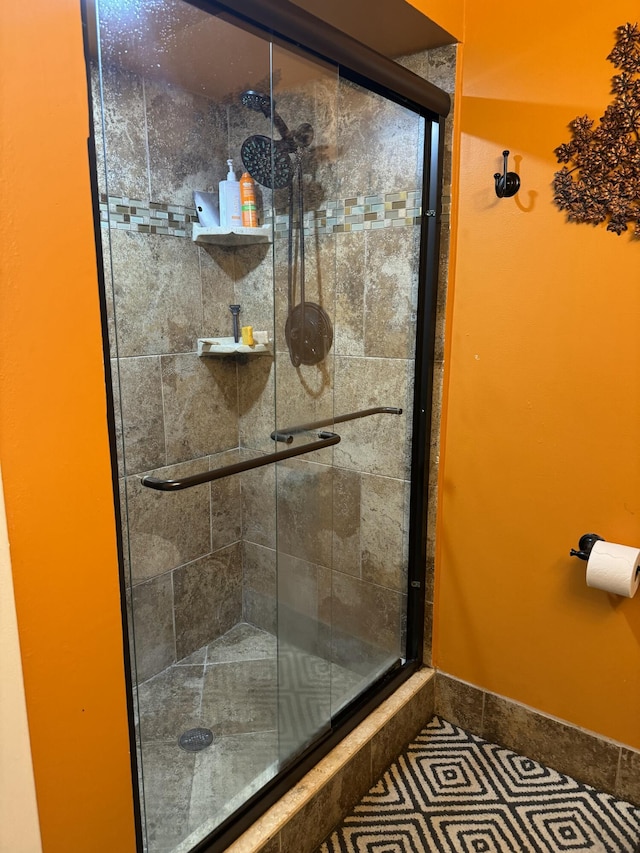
193 740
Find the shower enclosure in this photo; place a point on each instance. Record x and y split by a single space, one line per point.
271 479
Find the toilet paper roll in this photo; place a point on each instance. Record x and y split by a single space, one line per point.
614 568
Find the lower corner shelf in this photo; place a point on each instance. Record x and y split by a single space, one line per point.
228 346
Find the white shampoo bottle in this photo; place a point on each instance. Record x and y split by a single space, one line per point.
230 208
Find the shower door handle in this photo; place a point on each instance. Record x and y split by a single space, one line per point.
325 439
287 433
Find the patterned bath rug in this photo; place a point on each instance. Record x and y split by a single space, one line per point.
453 792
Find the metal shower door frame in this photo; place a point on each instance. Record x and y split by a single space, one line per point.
359 64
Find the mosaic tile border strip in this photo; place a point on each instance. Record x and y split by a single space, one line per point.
146 217
400 209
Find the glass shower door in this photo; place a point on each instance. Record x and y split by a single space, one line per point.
264 487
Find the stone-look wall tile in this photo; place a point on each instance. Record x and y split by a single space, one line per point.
105 239
117 415
226 503
628 781
305 395
240 697
410 718
298 586
382 532
427 641
441 302
152 606
187 143
390 301
200 406
167 529
432 490
281 291
133 671
437 65
258 491
124 527
319 278
323 162
315 102
299 628
320 814
253 276
304 510
346 521
436 414
460 703
325 613
157 293
442 67
259 587
217 271
565 748
406 523
96 117
353 602
256 392
379 444
208 598
142 417
123 111
429 588
389 164
350 287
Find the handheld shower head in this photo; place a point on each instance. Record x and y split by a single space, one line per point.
262 103
256 101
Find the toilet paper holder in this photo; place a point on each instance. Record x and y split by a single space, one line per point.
585 544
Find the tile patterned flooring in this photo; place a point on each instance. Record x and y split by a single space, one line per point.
230 686
453 792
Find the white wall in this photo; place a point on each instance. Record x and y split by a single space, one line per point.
19 828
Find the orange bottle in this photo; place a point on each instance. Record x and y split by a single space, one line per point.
248 201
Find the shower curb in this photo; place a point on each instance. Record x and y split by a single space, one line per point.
304 816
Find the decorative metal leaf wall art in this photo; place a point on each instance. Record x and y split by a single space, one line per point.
601 181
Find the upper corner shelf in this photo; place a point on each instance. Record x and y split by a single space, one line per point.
231 236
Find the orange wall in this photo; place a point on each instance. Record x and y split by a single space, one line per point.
543 406
543 399
53 439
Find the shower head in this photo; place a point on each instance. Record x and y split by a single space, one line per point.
256 101
261 103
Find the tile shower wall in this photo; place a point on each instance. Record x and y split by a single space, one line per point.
179 414
203 559
439 67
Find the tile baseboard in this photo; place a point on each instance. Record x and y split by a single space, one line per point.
588 757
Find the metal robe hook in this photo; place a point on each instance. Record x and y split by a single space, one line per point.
507 183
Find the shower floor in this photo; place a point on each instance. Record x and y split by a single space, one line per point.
248 692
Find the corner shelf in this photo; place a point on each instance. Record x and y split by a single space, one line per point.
231 236
227 346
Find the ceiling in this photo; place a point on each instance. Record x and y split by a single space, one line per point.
392 27
180 44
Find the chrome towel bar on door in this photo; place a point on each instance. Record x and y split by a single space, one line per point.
325 439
